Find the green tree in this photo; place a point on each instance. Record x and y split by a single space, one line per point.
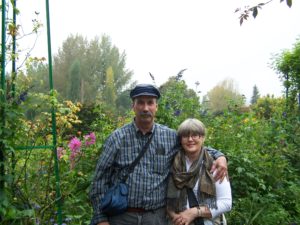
222 97
111 57
109 92
123 102
75 86
287 65
178 102
36 76
255 95
72 49
267 107
95 58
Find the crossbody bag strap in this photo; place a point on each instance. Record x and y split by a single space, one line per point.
193 202
137 159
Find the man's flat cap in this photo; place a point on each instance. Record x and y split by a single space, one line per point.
144 90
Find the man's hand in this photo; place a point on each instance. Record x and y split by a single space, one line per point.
103 223
220 167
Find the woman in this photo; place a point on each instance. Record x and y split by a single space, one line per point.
193 195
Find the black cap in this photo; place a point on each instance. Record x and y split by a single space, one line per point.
144 90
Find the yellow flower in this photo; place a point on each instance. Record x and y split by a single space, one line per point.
246 120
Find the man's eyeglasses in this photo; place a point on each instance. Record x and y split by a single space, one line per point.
193 136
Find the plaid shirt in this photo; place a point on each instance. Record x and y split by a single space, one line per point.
147 184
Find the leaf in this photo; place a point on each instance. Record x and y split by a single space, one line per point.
27 213
289 3
240 169
241 21
237 10
256 215
255 12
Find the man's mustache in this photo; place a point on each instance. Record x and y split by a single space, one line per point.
145 114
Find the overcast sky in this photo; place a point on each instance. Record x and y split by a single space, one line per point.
165 36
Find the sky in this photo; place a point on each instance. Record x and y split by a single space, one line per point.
166 36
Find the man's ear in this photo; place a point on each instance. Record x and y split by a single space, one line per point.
156 104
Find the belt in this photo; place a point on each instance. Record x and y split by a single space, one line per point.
137 210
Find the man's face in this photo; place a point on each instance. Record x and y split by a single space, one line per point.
145 108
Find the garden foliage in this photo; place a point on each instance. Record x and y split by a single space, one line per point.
260 142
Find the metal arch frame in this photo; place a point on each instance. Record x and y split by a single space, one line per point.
3 100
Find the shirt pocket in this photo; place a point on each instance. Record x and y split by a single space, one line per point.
160 164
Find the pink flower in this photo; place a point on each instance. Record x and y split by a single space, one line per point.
73 156
75 145
90 139
60 152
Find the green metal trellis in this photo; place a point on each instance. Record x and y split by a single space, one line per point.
3 100
2 93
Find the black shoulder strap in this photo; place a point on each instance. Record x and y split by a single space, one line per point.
193 202
137 159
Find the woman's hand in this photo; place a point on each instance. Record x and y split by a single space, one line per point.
176 219
174 216
186 217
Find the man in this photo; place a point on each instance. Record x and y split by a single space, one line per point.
147 184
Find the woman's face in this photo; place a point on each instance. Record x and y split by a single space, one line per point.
192 143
